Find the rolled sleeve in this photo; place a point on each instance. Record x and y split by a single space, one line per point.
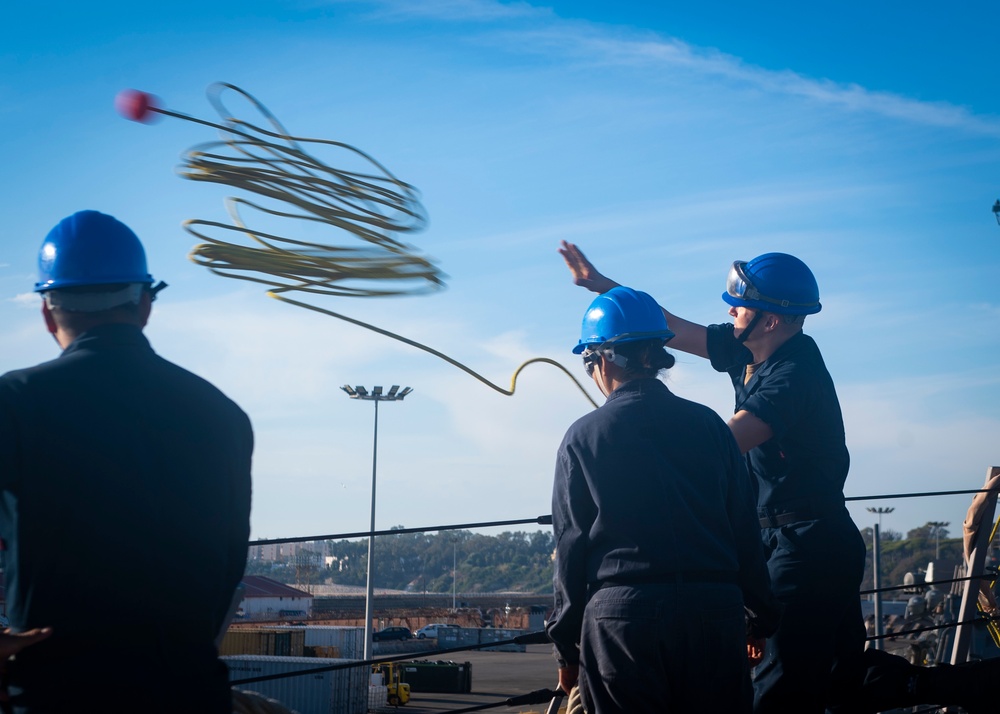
725 352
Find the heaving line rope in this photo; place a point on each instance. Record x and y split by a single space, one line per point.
368 202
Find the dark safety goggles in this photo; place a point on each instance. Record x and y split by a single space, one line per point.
590 358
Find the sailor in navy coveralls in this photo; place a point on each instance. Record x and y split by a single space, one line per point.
787 421
658 559
124 497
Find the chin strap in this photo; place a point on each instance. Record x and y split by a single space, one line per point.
753 323
155 289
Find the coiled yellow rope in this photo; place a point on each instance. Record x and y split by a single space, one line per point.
369 203
372 205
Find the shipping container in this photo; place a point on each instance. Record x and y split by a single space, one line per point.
324 651
349 641
449 637
275 641
341 691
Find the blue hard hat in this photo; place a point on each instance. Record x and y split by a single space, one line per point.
775 282
622 315
90 248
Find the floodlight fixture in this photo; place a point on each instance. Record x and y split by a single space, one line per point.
937 527
376 395
880 511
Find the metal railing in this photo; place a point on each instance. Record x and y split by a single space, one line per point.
961 625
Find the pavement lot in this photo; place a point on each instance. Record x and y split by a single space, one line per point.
496 677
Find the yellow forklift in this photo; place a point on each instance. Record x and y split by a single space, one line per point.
398 692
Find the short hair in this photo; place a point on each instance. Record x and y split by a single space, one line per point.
792 319
94 298
646 358
81 321
80 308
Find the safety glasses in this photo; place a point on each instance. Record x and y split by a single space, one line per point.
590 358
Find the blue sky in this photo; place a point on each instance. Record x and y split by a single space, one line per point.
667 139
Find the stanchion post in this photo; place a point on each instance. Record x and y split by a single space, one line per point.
877 584
975 565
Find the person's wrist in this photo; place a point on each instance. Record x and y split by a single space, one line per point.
606 284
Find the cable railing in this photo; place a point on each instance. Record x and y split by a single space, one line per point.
539 520
957 628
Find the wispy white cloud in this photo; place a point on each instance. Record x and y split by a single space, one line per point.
26 299
986 310
593 43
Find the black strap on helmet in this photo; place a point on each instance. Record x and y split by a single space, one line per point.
749 328
154 289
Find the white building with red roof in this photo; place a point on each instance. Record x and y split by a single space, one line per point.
267 599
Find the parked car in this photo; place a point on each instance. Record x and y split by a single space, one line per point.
430 630
391 633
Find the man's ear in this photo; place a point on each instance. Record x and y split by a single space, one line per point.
50 320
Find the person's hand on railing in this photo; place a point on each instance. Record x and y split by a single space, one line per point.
755 650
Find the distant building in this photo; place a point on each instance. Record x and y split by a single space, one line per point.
269 553
267 599
312 551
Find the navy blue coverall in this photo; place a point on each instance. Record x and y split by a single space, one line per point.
124 515
815 553
657 551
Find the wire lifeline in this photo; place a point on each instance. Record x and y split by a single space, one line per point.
539 696
545 520
906 634
529 638
372 205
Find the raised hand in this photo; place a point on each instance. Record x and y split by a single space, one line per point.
584 273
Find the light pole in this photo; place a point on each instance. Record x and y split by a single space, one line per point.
454 571
376 395
876 573
937 526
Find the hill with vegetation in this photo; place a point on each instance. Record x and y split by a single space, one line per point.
522 562
913 554
423 562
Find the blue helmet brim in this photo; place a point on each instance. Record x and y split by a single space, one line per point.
772 307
